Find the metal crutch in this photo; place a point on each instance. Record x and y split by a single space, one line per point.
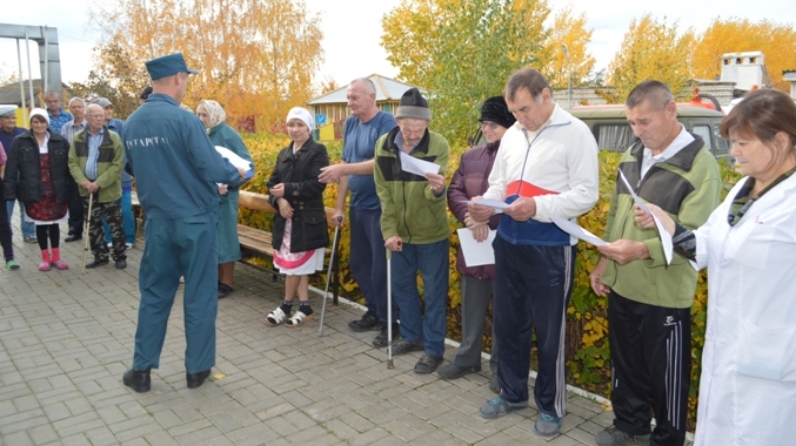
390 364
329 271
86 233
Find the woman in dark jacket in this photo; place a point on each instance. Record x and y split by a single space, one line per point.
37 174
470 180
299 233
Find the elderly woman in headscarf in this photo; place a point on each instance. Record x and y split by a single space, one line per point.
37 174
213 116
299 234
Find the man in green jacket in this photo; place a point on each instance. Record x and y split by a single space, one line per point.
95 162
414 224
649 300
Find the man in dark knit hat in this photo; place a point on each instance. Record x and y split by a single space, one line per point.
414 225
470 180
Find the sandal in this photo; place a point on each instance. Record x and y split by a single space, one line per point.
297 319
275 317
60 264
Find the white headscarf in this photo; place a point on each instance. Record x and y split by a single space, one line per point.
40 112
303 114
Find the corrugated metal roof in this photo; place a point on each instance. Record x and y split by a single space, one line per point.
9 93
387 89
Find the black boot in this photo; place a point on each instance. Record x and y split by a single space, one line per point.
196 379
138 380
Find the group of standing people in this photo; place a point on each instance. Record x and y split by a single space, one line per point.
53 168
540 162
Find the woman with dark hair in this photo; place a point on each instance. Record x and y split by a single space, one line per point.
37 173
747 391
299 234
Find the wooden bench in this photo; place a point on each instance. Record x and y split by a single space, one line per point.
257 242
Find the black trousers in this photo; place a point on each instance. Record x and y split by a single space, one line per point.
5 232
651 362
533 285
75 202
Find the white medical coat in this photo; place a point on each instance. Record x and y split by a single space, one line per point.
747 392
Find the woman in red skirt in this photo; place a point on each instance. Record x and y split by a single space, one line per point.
37 174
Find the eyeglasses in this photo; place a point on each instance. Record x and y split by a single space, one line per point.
490 124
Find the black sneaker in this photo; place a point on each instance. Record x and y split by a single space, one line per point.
403 347
381 339
367 323
427 364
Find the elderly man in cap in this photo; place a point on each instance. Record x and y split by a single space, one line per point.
176 168
414 225
9 131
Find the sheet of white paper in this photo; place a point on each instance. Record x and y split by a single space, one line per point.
490 203
572 228
235 160
417 166
477 253
666 238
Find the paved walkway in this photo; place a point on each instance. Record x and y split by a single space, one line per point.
67 338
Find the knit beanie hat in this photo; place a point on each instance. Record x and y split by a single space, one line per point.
496 110
413 105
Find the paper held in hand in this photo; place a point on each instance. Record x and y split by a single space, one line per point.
572 228
666 238
477 253
235 160
490 203
417 166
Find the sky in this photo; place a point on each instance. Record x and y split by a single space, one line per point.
352 30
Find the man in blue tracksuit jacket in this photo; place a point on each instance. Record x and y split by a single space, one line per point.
176 168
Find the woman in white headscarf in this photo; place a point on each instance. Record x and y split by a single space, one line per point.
299 233
213 116
37 174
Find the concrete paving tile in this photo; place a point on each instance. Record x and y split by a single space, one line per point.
102 436
76 440
18 439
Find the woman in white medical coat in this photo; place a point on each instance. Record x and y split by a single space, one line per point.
747 392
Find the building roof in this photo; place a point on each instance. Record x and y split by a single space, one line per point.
387 89
9 93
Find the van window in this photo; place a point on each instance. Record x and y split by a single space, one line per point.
722 145
614 137
705 132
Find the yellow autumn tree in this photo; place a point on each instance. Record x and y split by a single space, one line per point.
651 50
463 51
568 29
734 35
256 57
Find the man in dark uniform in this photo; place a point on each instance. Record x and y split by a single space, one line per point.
176 168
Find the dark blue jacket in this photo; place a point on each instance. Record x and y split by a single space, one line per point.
174 162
